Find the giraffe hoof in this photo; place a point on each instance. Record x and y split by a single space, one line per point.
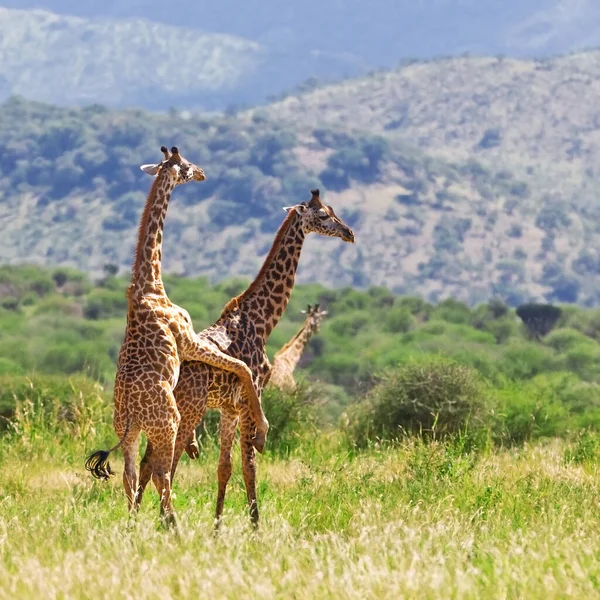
192 450
258 441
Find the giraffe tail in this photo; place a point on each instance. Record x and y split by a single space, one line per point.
97 462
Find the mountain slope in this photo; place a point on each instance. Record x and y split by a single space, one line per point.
463 177
136 62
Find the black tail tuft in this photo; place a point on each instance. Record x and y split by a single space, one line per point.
97 464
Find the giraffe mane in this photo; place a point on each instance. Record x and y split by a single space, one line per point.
143 226
283 228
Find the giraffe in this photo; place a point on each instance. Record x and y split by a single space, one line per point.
242 330
158 336
285 361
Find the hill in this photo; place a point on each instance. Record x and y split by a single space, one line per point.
64 59
209 55
379 32
462 177
137 62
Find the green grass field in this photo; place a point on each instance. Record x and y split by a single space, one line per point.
506 505
412 520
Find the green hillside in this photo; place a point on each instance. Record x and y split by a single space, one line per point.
469 178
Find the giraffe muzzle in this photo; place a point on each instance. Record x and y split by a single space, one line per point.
348 236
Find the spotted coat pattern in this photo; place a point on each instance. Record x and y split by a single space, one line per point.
242 331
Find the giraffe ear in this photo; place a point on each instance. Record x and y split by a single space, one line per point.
299 208
150 169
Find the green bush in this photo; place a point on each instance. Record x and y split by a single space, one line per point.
431 396
102 303
291 416
45 391
528 410
566 338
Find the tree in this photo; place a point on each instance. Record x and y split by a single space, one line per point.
539 319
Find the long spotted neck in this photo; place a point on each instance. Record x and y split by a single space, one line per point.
268 295
292 351
147 266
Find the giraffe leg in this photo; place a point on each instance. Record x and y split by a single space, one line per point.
145 475
186 430
193 449
229 421
162 460
249 469
162 433
130 483
130 434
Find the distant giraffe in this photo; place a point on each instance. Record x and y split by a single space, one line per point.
286 360
158 336
242 330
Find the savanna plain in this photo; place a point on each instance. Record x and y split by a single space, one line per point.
360 495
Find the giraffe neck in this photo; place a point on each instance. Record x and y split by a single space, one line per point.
147 266
293 350
268 295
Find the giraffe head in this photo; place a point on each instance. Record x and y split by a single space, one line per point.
174 165
321 219
314 316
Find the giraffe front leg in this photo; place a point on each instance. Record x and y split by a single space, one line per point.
229 421
249 468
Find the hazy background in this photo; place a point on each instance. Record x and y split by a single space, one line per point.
461 140
265 46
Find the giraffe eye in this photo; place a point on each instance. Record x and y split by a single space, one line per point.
322 214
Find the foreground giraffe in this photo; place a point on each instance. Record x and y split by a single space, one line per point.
242 330
158 336
286 360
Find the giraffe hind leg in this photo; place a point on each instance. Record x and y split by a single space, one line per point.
229 423
145 475
130 450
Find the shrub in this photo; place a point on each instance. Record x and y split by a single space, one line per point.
101 304
542 407
432 396
399 319
566 338
45 391
291 416
585 449
491 138
523 360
